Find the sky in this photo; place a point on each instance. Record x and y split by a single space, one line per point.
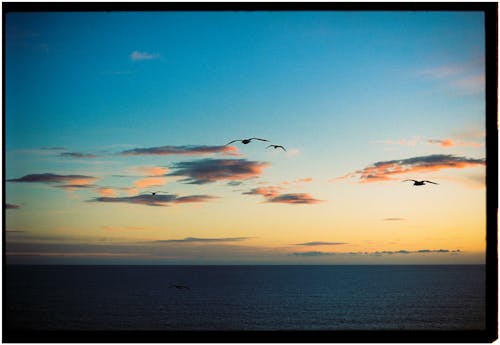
103 109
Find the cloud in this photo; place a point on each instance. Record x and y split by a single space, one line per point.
273 195
267 192
11 206
402 142
294 198
150 182
211 170
77 155
73 181
389 170
298 181
467 78
393 219
182 150
377 253
454 143
204 240
318 243
106 192
150 170
139 56
155 200
54 148
313 253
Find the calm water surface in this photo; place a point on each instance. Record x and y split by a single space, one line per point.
246 297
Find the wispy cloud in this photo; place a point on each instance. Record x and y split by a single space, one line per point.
447 142
393 219
150 170
390 170
155 200
267 192
376 253
211 170
139 56
191 150
54 148
294 198
70 181
319 243
298 181
273 194
401 142
77 155
467 78
11 206
454 143
204 240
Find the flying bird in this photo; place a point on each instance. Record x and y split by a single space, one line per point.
245 141
276 146
420 183
154 193
180 287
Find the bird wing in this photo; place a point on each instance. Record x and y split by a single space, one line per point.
281 147
430 182
258 139
269 146
232 142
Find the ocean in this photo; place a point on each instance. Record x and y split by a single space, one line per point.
261 297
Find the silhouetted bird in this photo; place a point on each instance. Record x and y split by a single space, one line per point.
154 193
276 146
245 141
420 183
180 287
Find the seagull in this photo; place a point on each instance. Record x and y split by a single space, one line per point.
245 141
276 146
180 287
420 183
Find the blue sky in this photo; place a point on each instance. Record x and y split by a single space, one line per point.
340 90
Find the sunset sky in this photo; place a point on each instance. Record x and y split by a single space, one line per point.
102 109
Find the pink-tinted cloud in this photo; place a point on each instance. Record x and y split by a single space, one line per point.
454 143
298 181
150 182
11 206
294 198
274 194
267 192
151 170
211 170
69 182
105 191
182 150
155 200
389 170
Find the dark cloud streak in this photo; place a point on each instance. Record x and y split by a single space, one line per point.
181 150
211 170
155 200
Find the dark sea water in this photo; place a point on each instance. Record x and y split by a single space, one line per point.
245 297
